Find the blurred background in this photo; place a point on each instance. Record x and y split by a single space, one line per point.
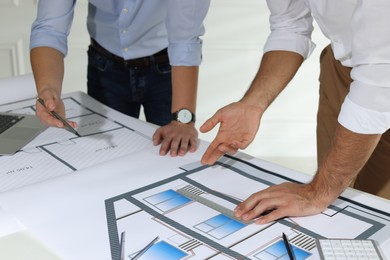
232 49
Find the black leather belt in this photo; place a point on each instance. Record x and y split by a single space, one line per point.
157 58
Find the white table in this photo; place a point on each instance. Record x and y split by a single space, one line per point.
71 214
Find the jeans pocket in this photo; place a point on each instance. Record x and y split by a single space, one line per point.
163 68
96 60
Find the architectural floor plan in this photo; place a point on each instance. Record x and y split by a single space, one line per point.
191 215
102 139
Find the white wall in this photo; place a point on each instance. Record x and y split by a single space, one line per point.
235 34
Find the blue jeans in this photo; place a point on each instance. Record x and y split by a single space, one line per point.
126 89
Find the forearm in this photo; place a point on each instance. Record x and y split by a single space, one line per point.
48 69
276 70
179 138
184 87
346 157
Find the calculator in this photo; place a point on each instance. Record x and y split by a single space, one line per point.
332 248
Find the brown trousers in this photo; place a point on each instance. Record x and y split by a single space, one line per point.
335 80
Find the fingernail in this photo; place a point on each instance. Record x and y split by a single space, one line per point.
260 221
245 216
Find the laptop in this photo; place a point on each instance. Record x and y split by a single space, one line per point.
16 130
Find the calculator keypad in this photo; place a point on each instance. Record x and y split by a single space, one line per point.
348 249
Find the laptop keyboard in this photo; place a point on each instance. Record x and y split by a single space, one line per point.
6 121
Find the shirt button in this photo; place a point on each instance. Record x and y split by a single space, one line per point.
125 49
333 39
125 10
124 31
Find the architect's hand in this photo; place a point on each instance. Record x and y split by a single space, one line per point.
53 103
239 125
347 155
178 138
286 199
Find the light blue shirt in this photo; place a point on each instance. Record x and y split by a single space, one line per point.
128 28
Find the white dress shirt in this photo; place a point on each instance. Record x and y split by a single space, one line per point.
360 37
128 28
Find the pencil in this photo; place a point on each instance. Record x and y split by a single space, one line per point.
288 247
140 253
53 113
123 241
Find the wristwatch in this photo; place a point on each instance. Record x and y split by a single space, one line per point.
184 116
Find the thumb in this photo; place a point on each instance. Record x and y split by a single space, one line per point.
209 124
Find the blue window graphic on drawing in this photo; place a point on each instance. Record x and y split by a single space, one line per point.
220 226
163 250
278 251
167 200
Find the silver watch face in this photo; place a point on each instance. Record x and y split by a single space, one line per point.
184 116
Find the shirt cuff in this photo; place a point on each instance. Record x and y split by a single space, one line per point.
185 54
362 120
289 42
57 42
